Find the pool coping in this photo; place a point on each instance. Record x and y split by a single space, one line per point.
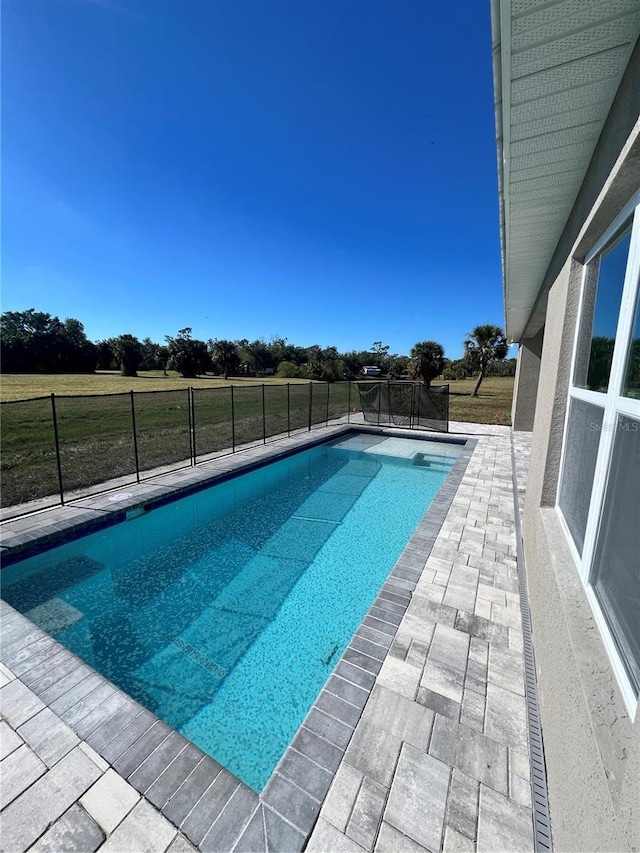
205 801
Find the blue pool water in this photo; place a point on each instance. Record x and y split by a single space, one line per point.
225 612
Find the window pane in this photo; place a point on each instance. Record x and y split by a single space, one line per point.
632 373
616 567
581 451
603 295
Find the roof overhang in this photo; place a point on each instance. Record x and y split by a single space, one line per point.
556 69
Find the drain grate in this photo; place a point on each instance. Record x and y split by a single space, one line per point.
542 838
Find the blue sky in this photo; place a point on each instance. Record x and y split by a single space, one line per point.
321 170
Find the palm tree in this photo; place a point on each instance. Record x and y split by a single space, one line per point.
427 361
483 345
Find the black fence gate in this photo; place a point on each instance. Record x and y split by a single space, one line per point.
407 404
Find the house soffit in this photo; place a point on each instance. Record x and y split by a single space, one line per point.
557 67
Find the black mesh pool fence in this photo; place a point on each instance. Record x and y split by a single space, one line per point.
212 422
28 467
409 404
58 447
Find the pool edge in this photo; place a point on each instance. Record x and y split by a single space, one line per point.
292 810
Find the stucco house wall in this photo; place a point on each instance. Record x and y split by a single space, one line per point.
591 737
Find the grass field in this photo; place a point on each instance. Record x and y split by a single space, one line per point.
23 386
95 419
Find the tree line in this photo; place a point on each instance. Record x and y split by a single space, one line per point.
35 342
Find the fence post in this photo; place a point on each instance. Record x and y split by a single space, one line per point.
349 403
326 423
192 424
57 443
379 400
288 409
233 423
310 402
413 395
135 437
264 421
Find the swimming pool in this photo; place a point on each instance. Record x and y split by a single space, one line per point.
225 612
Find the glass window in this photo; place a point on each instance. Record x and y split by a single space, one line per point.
603 295
616 566
632 372
581 451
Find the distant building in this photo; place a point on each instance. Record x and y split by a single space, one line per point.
567 94
371 371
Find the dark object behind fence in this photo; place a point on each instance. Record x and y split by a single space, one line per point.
61 447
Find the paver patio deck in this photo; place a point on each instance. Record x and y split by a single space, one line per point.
425 725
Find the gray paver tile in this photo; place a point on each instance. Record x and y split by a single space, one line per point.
109 800
416 804
305 773
100 714
141 749
100 763
438 703
492 632
503 824
317 749
520 763
291 802
74 832
456 842
181 845
46 800
157 762
400 716
124 739
347 690
342 796
253 839
95 700
9 740
208 807
506 669
48 736
367 812
51 678
144 830
109 728
392 841
230 825
19 770
475 754
191 790
506 717
60 656
374 751
355 674
462 804
328 727
18 704
338 708
327 839
73 696
280 834
399 676
175 774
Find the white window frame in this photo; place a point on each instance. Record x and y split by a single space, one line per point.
612 403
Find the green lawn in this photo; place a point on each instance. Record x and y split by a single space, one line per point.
23 386
95 424
492 406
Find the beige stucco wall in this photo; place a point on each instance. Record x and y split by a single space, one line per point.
592 747
592 744
526 383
